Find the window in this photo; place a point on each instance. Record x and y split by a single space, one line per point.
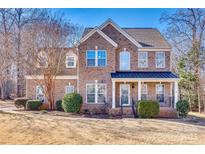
124 60
40 93
101 93
70 61
160 92
160 60
69 89
96 93
142 59
42 59
96 58
144 92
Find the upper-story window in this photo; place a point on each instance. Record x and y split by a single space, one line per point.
142 59
124 60
42 60
160 60
96 58
70 61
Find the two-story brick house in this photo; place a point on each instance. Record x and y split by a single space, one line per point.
116 65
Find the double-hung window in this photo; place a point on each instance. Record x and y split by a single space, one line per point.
160 60
42 60
142 59
160 92
70 61
96 93
40 93
144 91
69 89
96 58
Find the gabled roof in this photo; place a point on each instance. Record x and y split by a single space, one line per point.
146 37
129 37
144 75
93 31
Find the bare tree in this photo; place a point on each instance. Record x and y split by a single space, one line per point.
23 17
186 32
6 49
47 42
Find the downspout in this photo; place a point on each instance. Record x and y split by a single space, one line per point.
78 70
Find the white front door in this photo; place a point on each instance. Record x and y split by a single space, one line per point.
124 94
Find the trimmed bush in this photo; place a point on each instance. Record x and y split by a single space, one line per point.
148 109
33 104
20 102
72 102
182 107
59 105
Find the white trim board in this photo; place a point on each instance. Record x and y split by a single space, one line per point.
41 77
111 22
145 79
101 33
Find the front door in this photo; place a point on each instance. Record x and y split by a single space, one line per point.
124 94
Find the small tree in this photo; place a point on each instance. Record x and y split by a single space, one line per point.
182 107
47 45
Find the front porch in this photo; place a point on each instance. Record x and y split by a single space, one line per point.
127 89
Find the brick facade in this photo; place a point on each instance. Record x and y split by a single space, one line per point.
102 74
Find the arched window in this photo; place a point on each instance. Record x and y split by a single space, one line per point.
124 60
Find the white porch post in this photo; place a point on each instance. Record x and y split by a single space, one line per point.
113 94
176 93
139 90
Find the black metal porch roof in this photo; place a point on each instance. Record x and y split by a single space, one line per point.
144 74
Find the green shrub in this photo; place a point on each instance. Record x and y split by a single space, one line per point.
20 102
72 102
182 107
148 109
33 104
59 105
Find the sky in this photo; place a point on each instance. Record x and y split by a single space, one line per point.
148 18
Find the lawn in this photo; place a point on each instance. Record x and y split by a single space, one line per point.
45 128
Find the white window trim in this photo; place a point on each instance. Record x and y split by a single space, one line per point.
67 56
129 95
43 92
164 91
69 86
163 60
140 59
146 89
120 67
96 58
96 90
39 66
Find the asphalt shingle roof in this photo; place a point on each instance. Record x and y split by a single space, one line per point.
147 37
143 74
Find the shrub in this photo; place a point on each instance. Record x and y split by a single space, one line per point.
182 107
148 109
20 102
59 105
72 102
33 104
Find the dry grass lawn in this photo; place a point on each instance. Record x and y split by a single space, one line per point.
47 129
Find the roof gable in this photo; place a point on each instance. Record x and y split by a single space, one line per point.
111 22
93 31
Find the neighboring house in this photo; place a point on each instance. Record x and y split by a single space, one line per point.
116 65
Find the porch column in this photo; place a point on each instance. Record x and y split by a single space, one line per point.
139 90
113 94
176 93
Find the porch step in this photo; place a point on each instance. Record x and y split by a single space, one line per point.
167 112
